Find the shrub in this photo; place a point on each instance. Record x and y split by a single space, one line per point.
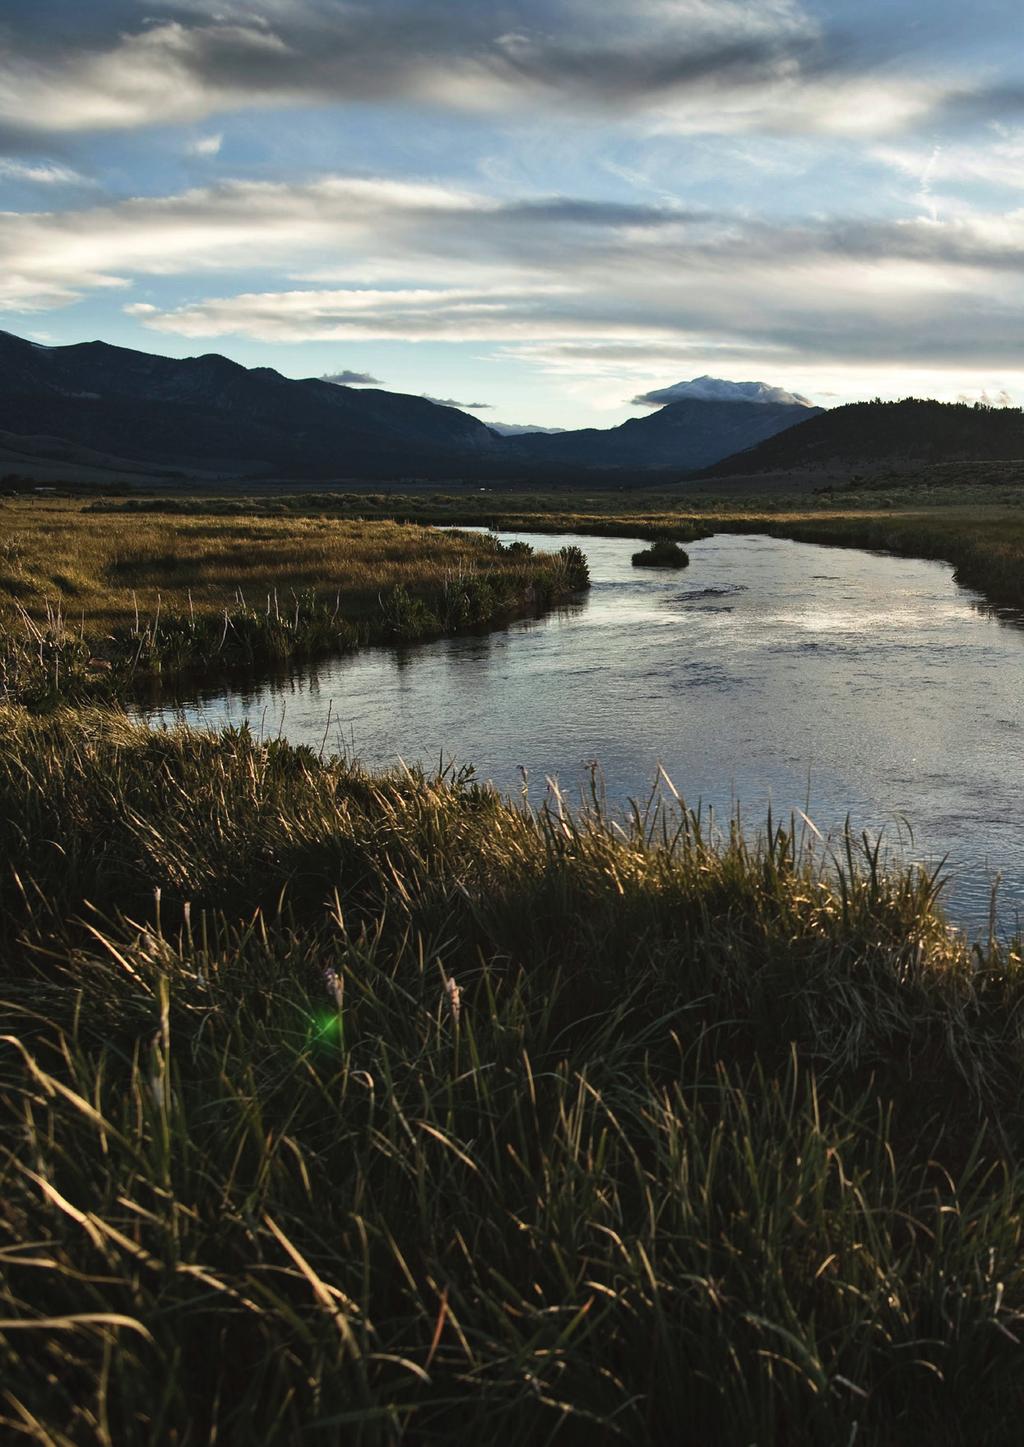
662 554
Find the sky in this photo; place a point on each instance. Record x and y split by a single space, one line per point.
540 209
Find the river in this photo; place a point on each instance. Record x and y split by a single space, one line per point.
831 680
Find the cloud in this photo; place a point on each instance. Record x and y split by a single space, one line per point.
714 389
205 146
985 398
351 379
570 285
690 65
995 160
464 406
366 314
47 258
41 173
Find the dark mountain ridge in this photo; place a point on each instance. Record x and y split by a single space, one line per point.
209 415
892 436
689 434
208 412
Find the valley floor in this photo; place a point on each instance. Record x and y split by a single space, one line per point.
365 1108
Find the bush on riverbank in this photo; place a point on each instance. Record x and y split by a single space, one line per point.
364 1108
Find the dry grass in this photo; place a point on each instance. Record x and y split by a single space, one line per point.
979 530
91 604
977 526
102 567
720 1145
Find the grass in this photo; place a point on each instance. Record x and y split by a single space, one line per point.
979 531
978 527
90 602
340 1107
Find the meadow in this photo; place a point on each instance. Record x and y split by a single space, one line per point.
369 1109
977 526
92 602
979 530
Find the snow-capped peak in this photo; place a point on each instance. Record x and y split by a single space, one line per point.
716 389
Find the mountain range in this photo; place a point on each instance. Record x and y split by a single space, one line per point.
99 411
210 415
105 407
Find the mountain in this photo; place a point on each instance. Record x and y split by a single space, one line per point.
867 437
93 406
688 434
210 415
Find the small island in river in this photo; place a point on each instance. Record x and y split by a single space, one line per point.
662 554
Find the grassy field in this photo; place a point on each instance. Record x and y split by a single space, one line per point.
89 601
365 1109
978 529
352 1108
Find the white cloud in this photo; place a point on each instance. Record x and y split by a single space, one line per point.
61 255
451 315
985 398
574 285
151 76
41 173
714 66
995 160
205 146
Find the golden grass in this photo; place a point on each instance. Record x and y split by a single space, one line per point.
722 1145
102 567
978 530
199 552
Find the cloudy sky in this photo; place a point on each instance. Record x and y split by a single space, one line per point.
542 208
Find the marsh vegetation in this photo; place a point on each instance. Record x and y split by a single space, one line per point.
661 554
961 515
367 1108
91 602
371 1109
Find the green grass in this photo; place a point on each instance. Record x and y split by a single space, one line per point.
346 1108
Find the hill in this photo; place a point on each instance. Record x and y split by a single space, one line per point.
208 414
871 437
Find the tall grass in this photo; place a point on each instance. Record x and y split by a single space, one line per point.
360 1108
90 607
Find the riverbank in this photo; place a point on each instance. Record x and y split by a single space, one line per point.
978 529
366 1107
980 536
91 603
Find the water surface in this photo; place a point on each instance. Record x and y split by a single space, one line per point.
827 679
